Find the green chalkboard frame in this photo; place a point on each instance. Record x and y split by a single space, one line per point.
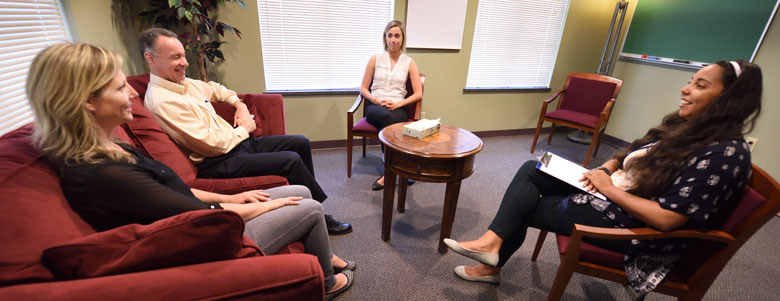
697 32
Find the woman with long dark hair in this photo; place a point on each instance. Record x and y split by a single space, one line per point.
688 173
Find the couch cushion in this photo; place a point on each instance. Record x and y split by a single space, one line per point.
238 185
34 214
153 142
139 83
188 238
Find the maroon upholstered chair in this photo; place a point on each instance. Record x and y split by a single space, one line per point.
364 129
692 276
586 103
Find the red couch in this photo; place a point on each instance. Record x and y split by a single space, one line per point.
35 217
147 136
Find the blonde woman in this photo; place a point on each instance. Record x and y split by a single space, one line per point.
387 96
79 95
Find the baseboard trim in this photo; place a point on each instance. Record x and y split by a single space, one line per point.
326 144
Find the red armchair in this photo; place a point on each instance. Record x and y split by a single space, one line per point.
696 271
34 216
586 103
148 137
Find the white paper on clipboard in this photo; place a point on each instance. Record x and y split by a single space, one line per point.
564 170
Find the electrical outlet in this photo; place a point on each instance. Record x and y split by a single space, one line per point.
422 115
751 142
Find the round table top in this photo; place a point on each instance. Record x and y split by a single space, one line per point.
449 142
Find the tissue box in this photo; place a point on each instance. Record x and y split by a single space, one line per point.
422 128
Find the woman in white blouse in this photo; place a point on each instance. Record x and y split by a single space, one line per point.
386 74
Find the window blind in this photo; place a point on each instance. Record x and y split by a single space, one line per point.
320 45
515 43
26 27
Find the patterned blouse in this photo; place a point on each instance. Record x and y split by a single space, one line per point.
706 191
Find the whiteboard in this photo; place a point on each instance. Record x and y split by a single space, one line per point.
435 23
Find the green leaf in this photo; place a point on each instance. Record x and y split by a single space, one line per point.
174 3
193 11
240 2
183 13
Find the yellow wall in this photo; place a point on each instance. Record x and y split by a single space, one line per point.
324 117
649 92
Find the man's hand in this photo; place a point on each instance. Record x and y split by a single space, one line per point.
247 123
252 196
241 112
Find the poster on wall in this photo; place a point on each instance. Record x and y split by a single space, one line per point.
436 24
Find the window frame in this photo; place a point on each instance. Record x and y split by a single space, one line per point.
357 62
16 54
472 86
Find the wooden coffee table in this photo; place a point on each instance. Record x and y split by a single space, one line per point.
444 157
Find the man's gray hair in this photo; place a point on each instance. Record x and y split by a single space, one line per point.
149 37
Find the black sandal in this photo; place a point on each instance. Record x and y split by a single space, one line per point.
350 280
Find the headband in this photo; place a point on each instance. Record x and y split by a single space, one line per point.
737 69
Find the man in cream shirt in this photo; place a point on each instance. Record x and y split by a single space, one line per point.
182 107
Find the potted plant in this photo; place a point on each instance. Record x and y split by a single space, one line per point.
190 19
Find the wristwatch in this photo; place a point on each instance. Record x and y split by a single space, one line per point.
609 173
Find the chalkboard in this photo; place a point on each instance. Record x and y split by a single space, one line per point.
698 30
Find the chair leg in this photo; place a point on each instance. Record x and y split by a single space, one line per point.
536 134
598 144
364 147
349 156
562 277
590 149
552 131
539 243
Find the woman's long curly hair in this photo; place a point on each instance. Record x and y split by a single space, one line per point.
730 115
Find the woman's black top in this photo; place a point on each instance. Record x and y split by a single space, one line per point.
112 194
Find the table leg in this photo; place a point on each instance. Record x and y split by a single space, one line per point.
402 184
448 216
387 204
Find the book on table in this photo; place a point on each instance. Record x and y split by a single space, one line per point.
564 170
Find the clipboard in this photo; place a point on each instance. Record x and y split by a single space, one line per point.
564 170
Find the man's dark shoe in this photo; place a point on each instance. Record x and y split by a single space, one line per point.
336 227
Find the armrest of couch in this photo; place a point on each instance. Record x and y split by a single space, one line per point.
267 108
277 277
238 185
